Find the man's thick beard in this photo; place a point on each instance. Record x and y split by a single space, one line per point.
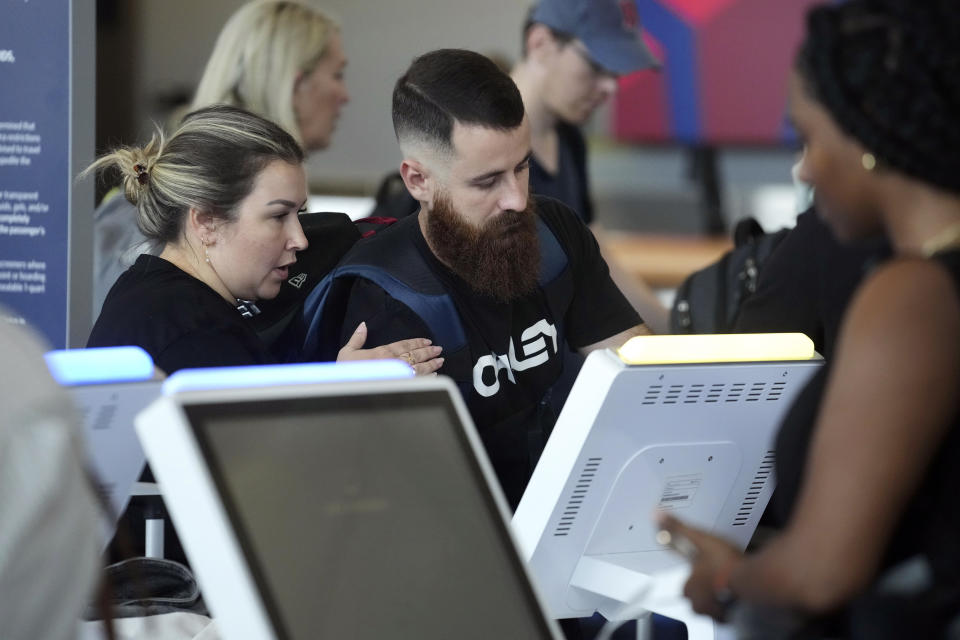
500 259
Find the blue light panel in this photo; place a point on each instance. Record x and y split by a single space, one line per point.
281 374
99 365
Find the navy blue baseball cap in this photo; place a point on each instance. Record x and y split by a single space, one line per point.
604 26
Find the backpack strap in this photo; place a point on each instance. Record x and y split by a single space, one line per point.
555 279
394 264
436 310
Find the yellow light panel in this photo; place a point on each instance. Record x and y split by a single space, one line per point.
734 347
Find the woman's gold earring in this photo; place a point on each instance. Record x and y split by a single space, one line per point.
869 161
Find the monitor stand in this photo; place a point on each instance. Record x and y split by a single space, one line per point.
629 594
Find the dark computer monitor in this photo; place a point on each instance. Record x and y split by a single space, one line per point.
354 510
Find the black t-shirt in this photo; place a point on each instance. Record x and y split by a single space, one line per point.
180 321
515 349
929 528
569 185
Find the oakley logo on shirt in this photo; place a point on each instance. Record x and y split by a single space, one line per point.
535 343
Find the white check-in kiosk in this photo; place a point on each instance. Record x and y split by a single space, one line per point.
109 386
326 509
678 423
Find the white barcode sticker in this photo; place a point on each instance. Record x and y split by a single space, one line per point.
678 491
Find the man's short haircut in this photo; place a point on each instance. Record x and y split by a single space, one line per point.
453 85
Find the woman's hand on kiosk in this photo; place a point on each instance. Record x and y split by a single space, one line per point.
712 562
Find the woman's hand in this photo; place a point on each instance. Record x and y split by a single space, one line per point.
417 352
712 561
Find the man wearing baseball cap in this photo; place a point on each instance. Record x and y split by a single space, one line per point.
573 53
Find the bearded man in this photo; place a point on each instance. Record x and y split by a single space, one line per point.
517 281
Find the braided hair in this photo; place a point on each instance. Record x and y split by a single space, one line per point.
888 71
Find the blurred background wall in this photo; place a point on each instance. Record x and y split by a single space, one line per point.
151 54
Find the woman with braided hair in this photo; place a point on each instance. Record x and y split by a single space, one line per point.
868 458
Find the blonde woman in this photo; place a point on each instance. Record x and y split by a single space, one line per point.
220 199
281 59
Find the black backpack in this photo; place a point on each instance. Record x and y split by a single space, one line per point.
330 236
709 300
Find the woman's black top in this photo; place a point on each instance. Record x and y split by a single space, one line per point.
917 591
180 321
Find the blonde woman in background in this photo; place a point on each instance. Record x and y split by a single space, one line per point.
281 59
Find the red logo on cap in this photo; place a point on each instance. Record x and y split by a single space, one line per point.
629 10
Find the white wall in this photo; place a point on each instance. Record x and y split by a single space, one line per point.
175 38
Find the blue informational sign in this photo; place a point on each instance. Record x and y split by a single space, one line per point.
35 182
